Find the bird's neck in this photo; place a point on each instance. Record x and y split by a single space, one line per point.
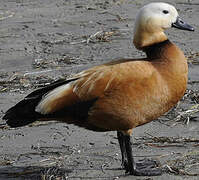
145 39
158 50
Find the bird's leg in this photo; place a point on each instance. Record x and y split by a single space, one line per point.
145 168
121 141
141 168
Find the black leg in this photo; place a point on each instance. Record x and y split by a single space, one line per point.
121 141
131 163
141 168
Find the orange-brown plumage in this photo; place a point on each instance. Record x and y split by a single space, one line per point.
149 89
120 95
129 92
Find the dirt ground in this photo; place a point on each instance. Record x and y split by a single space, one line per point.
44 40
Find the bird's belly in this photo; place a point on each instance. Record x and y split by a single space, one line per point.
125 111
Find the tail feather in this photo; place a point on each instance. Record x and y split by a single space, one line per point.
24 113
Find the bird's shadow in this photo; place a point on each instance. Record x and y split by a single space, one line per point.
46 173
32 172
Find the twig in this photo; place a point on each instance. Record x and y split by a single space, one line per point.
191 165
170 169
92 36
38 72
163 146
88 39
188 3
180 171
186 114
2 18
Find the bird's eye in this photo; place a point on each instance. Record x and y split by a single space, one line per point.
165 11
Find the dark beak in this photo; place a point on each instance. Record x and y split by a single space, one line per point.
180 24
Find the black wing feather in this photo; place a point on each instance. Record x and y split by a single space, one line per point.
23 112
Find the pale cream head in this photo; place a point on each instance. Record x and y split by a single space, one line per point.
151 21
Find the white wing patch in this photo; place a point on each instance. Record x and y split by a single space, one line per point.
88 80
44 106
83 87
110 81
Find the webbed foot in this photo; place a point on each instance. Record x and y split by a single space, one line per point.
145 167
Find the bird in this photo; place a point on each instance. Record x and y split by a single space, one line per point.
119 95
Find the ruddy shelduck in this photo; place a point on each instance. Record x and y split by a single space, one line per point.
120 95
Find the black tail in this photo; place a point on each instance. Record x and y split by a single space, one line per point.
23 113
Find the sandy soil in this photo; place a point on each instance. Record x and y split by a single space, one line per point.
44 40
